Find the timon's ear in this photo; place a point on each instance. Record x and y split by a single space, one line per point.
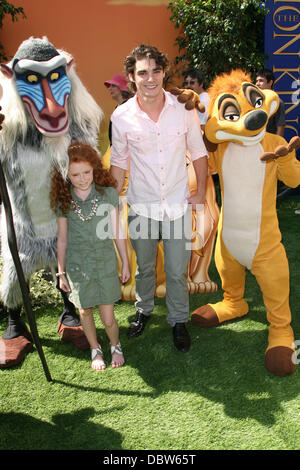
7 71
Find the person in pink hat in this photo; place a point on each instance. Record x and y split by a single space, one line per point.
117 86
118 90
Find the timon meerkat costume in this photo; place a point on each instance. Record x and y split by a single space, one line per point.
249 162
46 107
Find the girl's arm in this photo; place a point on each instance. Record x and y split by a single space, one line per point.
62 241
121 243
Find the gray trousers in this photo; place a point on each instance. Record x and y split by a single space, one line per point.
144 236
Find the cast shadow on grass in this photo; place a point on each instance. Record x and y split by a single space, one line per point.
223 366
19 431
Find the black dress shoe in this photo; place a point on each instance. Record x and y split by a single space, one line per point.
136 327
181 337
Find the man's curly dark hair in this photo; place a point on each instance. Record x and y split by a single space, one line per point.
141 52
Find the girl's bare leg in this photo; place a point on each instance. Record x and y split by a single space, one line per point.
89 328
112 330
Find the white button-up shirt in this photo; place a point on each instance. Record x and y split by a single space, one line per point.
158 180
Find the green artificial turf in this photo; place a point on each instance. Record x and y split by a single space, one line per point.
217 396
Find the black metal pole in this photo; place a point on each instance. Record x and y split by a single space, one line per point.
12 242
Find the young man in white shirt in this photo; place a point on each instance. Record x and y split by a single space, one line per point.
154 132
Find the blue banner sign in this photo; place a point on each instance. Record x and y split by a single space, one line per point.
282 41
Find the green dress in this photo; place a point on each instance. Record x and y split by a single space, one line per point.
91 261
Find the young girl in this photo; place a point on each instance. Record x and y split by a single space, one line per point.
87 262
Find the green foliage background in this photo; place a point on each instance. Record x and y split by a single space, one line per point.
219 35
7 8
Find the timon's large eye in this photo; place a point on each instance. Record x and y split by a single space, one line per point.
231 113
229 108
32 78
254 96
258 102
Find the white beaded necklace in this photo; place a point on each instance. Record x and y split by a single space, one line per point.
78 211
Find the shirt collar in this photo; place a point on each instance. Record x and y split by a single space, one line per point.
90 196
168 102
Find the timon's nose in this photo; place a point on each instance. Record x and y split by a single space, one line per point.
255 120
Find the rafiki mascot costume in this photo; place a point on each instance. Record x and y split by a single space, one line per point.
249 162
46 107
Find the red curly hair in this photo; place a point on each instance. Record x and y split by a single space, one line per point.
60 194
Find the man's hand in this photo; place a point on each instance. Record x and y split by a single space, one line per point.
196 199
189 98
119 175
201 172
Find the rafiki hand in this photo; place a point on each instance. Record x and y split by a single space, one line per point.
64 284
188 97
2 117
282 150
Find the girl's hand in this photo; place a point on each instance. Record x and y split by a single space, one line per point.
125 273
64 284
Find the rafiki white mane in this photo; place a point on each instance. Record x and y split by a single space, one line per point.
16 123
83 108
28 158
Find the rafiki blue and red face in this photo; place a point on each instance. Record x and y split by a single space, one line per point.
44 89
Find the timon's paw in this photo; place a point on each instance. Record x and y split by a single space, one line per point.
189 98
282 150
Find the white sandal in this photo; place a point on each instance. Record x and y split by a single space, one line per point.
97 352
118 350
